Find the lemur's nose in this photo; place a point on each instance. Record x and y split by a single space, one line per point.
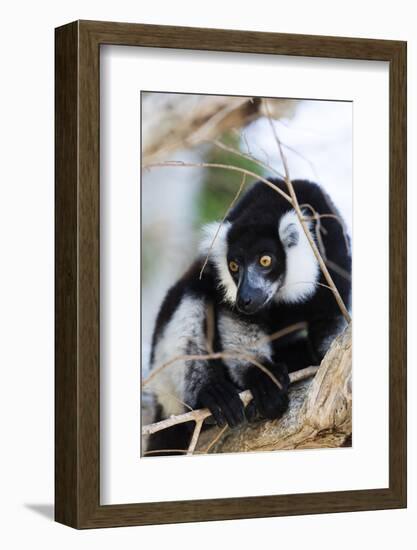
243 302
249 302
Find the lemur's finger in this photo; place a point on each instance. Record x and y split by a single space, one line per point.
257 398
269 399
251 412
210 402
231 404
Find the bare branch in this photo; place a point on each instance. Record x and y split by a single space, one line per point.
246 156
196 435
281 333
215 439
199 415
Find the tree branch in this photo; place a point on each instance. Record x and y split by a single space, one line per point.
200 415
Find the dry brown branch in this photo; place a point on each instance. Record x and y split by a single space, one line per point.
175 121
318 230
199 415
196 435
306 230
210 127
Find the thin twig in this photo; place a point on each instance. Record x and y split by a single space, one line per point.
242 184
246 156
183 403
216 355
215 440
196 435
308 161
281 333
210 327
181 164
334 216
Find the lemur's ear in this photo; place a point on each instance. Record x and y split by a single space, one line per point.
290 236
289 229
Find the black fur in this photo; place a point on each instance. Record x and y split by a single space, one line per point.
253 233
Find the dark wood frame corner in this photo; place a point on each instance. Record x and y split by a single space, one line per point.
77 274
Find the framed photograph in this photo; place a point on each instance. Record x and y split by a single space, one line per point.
230 274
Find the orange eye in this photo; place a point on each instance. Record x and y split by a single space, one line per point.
233 266
265 261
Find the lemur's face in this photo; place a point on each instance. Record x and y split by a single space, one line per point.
256 263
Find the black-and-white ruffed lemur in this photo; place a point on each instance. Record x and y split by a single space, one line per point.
261 276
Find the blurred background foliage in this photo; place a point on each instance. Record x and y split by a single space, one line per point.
219 187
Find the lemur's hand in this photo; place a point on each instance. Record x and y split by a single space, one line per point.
222 399
268 399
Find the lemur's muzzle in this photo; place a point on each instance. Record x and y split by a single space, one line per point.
250 299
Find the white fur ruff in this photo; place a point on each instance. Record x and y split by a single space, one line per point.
303 270
218 255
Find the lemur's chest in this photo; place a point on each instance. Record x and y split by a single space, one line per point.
242 338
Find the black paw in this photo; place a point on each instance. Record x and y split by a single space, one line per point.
224 403
269 401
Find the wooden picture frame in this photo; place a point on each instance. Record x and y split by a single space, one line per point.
77 406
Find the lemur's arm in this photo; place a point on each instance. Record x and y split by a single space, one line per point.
180 331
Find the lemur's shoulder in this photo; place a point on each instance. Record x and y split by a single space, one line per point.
189 285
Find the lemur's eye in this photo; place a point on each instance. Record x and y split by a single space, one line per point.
265 261
233 266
